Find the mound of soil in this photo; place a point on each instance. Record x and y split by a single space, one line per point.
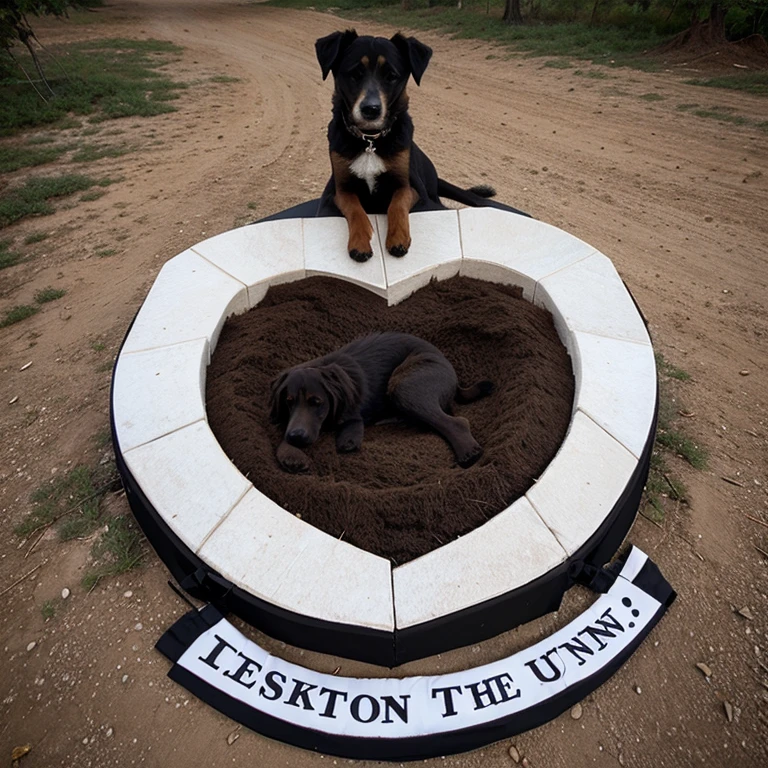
403 494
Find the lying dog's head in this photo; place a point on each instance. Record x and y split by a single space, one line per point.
306 398
370 74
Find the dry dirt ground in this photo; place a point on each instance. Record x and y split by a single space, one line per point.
679 202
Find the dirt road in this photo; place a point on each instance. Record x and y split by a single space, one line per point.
678 201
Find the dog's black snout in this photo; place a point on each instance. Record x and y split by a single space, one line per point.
297 437
370 109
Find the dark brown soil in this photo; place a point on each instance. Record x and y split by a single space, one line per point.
403 494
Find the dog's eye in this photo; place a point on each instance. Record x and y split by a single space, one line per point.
314 400
289 398
357 73
391 75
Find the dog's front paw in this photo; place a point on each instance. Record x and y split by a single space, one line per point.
291 459
360 256
347 445
398 250
468 457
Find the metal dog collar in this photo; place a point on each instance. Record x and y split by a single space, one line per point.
369 137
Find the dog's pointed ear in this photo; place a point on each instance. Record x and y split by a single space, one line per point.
276 399
416 54
330 48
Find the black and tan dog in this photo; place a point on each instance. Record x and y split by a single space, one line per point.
376 166
375 377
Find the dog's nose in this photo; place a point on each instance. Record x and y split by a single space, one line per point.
297 437
370 110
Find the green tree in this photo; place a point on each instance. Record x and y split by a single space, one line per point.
15 26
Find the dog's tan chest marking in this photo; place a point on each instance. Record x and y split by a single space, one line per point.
368 166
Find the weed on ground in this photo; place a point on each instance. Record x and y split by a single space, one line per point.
32 198
8 257
100 79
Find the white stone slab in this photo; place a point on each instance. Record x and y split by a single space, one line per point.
435 252
616 387
325 253
189 480
530 249
590 296
582 483
508 551
272 554
190 299
159 391
259 255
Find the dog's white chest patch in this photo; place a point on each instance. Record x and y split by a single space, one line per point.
368 166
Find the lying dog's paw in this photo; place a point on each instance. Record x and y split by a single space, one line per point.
360 255
347 445
398 250
470 456
291 459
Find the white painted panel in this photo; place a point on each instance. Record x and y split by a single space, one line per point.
435 252
190 299
616 387
158 391
259 255
189 480
508 551
589 296
530 248
582 483
325 253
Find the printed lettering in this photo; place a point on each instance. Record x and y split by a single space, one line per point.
245 668
541 676
210 659
450 710
504 686
575 647
354 708
401 710
274 686
331 706
300 691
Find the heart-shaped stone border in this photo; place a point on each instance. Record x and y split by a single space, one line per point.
226 541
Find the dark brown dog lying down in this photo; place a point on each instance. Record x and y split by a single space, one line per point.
375 377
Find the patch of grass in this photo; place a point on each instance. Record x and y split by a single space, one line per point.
17 314
225 79
36 237
613 44
90 152
14 158
751 82
98 346
73 498
43 139
105 79
103 253
723 114
34 195
669 370
558 64
596 74
651 97
48 609
8 257
44 295
680 444
89 197
119 549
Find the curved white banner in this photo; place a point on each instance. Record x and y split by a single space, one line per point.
412 707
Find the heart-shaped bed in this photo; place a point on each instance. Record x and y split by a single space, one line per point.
226 541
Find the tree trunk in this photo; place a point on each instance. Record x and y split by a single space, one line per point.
512 12
24 36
